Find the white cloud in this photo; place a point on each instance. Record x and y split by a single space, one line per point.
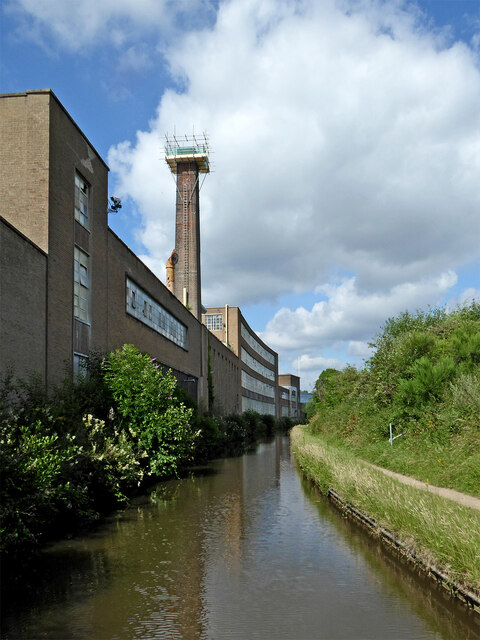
86 25
344 322
467 296
341 140
308 363
347 141
359 349
349 316
135 58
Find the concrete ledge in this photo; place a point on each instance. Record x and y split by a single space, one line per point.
464 595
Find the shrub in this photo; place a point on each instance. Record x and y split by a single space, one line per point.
113 454
148 409
269 424
37 487
254 425
211 438
235 428
427 382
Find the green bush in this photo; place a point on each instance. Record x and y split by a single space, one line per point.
269 424
85 448
211 438
424 378
235 428
148 409
37 489
254 424
427 382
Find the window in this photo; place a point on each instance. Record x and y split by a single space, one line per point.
214 321
80 363
81 298
258 406
144 308
256 346
81 200
257 366
256 385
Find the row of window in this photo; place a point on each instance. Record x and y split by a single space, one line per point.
258 406
214 321
257 366
256 346
140 305
81 270
256 385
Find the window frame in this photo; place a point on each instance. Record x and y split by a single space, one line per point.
82 216
81 284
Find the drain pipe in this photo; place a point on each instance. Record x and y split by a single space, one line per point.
226 325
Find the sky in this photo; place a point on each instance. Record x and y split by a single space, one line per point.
345 139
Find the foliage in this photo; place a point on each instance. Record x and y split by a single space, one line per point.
148 410
94 441
37 488
113 454
424 378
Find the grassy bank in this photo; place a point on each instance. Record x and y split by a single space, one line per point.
423 377
441 532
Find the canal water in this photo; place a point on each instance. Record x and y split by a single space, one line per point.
242 549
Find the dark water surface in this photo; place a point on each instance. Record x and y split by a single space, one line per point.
243 550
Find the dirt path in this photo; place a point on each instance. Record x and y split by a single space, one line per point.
462 498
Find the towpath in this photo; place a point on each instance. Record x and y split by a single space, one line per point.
462 498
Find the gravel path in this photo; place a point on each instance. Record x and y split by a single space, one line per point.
462 498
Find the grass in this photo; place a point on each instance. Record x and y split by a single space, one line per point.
452 461
443 533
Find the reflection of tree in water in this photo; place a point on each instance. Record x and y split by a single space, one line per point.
431 602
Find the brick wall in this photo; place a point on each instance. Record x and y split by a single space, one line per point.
123 328
42 151
23 292
187 236
71 152
225 367
24 157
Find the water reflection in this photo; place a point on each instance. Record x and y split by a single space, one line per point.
242 549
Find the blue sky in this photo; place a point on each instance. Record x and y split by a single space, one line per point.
346 139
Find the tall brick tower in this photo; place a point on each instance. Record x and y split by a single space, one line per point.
187 158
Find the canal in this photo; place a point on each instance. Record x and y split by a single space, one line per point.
243 549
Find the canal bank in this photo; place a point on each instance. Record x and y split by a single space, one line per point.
437 534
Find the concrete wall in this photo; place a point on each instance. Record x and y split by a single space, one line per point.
23 298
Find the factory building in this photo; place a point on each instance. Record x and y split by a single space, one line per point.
70 286
258 362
